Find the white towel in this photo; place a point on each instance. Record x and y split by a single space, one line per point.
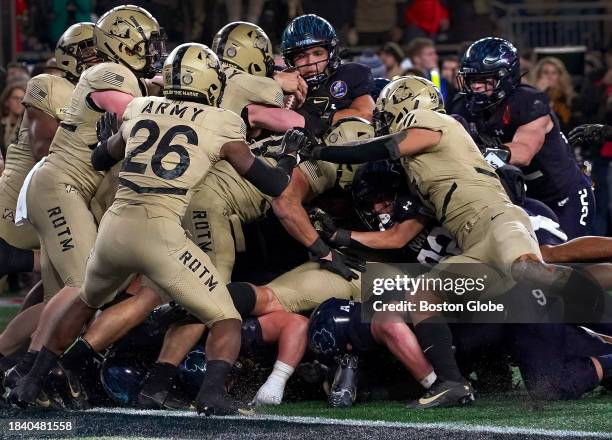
21 213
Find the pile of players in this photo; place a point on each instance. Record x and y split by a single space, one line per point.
189 211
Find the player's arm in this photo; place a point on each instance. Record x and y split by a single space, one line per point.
405 143
396 237
273 118
528 140
112 101
41 131
578 249
289 210
269 180
362 107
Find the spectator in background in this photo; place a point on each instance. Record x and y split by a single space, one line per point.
425 18
372 62
10 113
551 76
17 72
66 13
392 56
448 70
422 53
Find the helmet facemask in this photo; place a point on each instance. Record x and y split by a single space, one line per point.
85 55
331 63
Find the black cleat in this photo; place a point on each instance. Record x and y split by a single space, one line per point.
29 393
145 400
10 381
66 385
443 394
215 404
344 388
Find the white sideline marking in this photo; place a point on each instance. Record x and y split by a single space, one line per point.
369 423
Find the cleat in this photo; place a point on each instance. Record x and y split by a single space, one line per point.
221 405
28 394
67 386
343 391
444 394
10 381
151 401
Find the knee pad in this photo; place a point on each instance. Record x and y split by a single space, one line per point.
251 336
243 296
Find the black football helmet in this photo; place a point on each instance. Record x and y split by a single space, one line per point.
379 181
328 329
489 58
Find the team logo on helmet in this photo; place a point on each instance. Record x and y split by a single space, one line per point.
402 93
120 28
323 341
338 89
187 79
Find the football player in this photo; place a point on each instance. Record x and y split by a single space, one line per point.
224 201
494 100
131 42
453 180
154 191
45 101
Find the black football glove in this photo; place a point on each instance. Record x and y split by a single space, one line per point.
590 135
342 265
327 229
106 126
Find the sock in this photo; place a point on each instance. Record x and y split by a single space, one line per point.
45 361
25 364
76 356
160 378
214 378
606 365
437 342
271 392
428 380
15 260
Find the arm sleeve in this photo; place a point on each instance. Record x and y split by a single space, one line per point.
379 148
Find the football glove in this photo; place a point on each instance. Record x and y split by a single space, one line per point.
342 265
106 126
590 135
327 229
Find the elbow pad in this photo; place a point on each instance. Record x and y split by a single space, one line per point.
271 181
101 158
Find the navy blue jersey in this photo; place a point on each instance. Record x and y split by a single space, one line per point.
553 172
349 81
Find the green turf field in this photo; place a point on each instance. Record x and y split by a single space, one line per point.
591 414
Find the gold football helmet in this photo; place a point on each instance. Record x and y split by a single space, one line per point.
347 130
400 97
192 72
131 36
246 47
76 51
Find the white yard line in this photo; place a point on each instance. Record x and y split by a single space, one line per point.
371 423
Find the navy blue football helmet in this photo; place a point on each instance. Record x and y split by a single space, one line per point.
122 378
379 181
328 329
308 31
379 84
191 370
489 59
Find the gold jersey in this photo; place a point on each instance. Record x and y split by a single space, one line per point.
50 94
170 147
70 150
243 89
452 178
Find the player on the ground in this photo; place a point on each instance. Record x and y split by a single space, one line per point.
494 100
170 143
